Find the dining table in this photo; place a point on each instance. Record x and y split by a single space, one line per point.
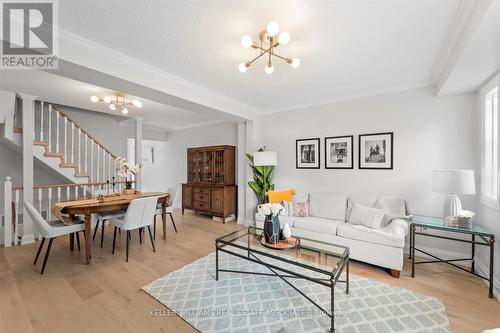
68 210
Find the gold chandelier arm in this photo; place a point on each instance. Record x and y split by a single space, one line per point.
248 63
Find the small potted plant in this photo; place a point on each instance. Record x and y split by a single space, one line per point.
271 211
126 169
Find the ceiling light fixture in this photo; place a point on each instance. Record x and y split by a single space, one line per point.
270 39
117 102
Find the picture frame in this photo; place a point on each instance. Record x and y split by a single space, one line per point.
339 152
376 151
307 153
147 155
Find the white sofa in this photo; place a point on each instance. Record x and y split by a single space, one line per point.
327 222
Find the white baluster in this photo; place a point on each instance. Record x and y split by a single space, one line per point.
50 127
7 205
76 192
59 194
42 104
68 193
104 178
109 168
92 159
84 187
49 211
79 152
97 168
85 158
57 131
66 157
72 143
16 218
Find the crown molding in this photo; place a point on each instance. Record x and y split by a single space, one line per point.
466 22
373 93
106 60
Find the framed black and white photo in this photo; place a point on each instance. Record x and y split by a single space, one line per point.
376 151
307 154
147 155
339 152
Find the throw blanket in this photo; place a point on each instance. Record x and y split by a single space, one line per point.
66 219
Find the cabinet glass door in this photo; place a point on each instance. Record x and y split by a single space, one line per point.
219 166
206 166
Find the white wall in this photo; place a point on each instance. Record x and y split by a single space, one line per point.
224 133
154 175
429 133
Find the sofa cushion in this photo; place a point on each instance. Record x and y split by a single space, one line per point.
392 235
393 207
316 224
365 200
300 205
328 205
367 216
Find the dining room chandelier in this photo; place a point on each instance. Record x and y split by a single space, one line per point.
117 102
269 40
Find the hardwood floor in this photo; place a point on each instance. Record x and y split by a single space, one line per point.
105 296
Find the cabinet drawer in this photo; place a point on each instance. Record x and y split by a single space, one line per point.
201 190
201 206
201 197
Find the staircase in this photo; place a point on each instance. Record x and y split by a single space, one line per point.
63 148
61 145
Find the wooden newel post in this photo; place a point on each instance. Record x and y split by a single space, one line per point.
7 206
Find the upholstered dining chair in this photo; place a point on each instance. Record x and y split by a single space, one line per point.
174 192
51 230
101 218
140 213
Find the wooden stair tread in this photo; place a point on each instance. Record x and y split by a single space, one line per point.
18 130
68 165
82 175
41 143
53 154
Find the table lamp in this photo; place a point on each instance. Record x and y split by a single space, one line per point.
453 182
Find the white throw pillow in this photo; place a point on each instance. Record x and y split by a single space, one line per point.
369 217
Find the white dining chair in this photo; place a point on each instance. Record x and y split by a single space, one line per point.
139 214
101 218
51 230
169 209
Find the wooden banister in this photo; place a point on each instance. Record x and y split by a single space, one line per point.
14 188
83 130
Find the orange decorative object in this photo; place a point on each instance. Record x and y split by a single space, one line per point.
278 196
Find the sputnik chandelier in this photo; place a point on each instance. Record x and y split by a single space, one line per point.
269 41
117 102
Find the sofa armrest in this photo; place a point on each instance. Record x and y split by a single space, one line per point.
401 224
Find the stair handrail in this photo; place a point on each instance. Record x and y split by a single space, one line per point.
36 187
83 130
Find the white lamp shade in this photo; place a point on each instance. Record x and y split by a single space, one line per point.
453 181
265 158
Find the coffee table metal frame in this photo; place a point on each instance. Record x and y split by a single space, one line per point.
222 244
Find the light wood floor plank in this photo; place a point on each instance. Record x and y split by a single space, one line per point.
106 295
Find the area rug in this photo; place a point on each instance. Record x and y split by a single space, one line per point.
252 303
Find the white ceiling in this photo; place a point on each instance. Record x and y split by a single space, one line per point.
481 59
348 48
61 90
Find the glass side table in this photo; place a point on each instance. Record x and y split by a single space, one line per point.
438 223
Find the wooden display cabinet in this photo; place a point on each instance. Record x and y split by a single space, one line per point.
210 187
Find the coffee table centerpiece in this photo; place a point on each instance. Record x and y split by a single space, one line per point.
272 227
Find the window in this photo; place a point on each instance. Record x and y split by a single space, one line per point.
490 170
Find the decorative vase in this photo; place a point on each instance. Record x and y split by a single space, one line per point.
287 232
272 229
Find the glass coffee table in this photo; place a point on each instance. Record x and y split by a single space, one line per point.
323 262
